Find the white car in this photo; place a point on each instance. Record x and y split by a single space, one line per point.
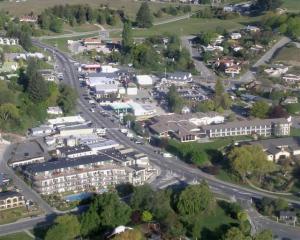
167 155
92 110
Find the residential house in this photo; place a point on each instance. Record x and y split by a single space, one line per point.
288 217
276 70
291 78
279 148
289 100
177 78
253 29
28 19
54 110
144 80
11 199
235 36
90 68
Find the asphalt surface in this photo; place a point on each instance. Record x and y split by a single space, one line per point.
172 169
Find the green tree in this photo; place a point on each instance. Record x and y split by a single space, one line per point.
144 17
267 5
127 40
142 198
56 25
37 88
205 106
106 211
264 235
196 199
147 216
65 227
129 235
260 109
8 111
175 101
293 108
67 98
234 233
280 204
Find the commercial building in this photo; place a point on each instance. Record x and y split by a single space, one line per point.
16 162
177 78
54 110
40 131
74 152
60 121
11 199
261 127
96 172
144 80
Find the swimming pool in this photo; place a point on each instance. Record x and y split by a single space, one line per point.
78 196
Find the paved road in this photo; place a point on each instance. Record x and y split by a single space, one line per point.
200 66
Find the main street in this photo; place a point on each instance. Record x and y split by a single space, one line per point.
166 165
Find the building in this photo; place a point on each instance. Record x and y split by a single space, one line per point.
28 19
279 148
177 78
253 29
61 121
289 100
42 130
9 41
75 130
74 152
288 217
131 89
261 127
93 173
100 80
95 41
235 36
105 91
185 127
276 70
144 80
142 111
54 111
90 68
103 144
291 78
17 162
11 199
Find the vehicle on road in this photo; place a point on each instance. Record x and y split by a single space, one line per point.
124 130
167 155
92 110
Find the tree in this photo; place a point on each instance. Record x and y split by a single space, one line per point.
67 98
106 211
144 17
37 88
242 216
264 235
175 101
56 25
280 204
8 112
147 216
127 40
205 106
66 227
234 233
142 198
267 5
260 109
278 112
196 199
25 40
293 108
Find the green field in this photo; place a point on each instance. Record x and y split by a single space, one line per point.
292 5
288 55
16 236
129 6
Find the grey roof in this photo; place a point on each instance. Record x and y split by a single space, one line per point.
65 163
291 142
287 214
246 123
74 150
9 194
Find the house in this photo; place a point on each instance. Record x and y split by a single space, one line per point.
8 67
291 78
253 29
233 70
235 35
95 41
261 127
144 80
177 78
211 48
229 8
28 19
289 100
90 68
276 70
11 199
17 162
279 148
237 48
288 217
131 89
54 111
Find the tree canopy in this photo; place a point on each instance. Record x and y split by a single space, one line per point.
260 109
144 16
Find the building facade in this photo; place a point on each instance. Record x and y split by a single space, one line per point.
11 199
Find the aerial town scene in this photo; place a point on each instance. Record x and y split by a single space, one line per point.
150 120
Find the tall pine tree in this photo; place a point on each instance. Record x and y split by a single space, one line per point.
144 17
127 41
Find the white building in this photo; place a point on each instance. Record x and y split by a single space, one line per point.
144 80
41 131
235 36
66 120
131 89
54 110
103 145
142 111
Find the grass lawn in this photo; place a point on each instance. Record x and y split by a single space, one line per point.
14 214
210 224
130 7
288 55
81 28
16 236
61 43
189 26
291 5
295 132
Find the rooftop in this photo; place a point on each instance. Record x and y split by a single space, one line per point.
9 194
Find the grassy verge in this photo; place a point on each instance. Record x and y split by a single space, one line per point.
16 236
289 55
14 214
291 5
